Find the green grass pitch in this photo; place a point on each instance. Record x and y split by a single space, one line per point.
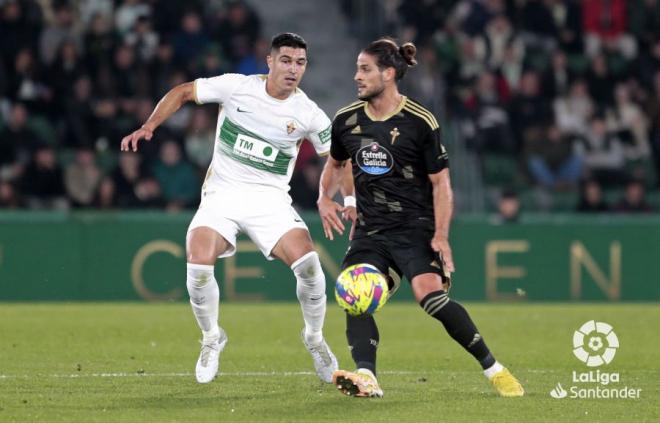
135 362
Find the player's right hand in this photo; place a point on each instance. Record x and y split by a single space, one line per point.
329 212
130 142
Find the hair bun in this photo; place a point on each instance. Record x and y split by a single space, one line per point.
408 51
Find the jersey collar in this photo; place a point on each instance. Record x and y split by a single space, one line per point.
384 118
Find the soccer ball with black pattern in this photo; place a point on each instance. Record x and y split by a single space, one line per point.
361 289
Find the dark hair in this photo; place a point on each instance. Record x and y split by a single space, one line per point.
390 55
287 39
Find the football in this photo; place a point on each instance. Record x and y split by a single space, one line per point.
360 289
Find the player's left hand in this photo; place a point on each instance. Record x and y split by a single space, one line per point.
440 245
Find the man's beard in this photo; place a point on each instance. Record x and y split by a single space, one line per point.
371 95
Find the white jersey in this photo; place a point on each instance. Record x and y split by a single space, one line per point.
258 136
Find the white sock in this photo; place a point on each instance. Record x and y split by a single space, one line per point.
310 289
490 372
204 297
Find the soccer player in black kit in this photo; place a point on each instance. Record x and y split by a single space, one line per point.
404 207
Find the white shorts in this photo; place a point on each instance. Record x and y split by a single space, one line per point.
263 215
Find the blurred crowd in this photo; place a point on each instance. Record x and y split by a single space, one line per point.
76 76
551 95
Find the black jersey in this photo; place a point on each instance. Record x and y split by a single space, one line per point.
391 161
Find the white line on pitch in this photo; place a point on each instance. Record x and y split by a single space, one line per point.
229 374
146 374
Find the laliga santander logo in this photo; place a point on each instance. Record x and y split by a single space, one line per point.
595 343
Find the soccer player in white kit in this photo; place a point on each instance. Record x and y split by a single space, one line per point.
262 121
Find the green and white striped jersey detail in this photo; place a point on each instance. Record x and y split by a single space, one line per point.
258 136
252 150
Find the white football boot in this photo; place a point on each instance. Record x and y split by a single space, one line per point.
207 364
325 362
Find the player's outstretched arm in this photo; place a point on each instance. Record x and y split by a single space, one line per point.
443 207
331 179
166 107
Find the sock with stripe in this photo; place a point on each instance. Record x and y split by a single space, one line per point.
458 324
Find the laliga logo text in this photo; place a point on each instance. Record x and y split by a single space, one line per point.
595 344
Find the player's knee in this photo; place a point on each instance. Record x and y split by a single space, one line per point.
199 275
201 257
425 284
308 269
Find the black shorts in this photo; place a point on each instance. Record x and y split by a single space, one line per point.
405 251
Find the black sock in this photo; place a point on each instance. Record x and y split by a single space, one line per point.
363 337
458 324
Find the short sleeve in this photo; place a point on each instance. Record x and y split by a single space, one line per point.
435 154
337 149
217 89
319 132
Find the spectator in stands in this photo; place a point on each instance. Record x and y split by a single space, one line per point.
143 39
42 183
8 196
487 123
77 128
538 25
100 40
567 15
200 139
128 13
605 24
508 207
26 82
161 68
573 111
212 63
65 70
126 73
530 111
591 198
129 185
628 120
17 142
105 120
600 81
552 160
176 177
634 199
191 41
603 153
81 178
55 33
471 60
253 62
644 21
498 37
235 29
18 30
557 78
